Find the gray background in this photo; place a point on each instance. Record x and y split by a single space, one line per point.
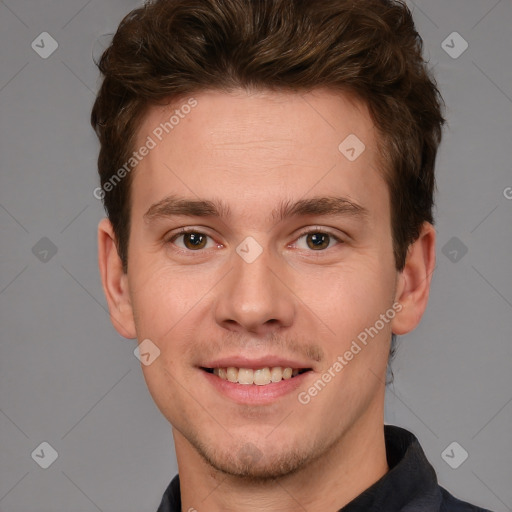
69 379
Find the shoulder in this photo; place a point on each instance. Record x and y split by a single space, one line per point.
451 504
171 500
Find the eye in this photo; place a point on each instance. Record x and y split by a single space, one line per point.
318 240
192 240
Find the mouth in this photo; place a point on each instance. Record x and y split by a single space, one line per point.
256 376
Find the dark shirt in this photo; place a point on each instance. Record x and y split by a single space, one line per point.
410 485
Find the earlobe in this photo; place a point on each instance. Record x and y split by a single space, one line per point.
114 281
414 281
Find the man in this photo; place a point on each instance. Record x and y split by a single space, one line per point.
267 168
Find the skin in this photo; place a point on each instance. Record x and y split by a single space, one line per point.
254 150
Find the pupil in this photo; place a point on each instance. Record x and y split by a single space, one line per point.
318 239
195 239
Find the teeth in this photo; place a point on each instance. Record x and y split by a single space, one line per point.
260 376
287 373
232 374
245 376
276 374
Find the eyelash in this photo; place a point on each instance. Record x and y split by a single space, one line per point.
185 231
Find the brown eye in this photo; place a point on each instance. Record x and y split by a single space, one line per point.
192 240
318 240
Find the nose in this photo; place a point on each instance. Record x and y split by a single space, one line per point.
256 297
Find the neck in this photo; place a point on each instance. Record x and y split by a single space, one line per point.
355 462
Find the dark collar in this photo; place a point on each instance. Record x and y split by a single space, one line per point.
409 485
410 482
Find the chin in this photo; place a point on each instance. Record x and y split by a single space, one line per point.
246 461
251 465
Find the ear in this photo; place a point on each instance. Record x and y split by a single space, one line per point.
414 281
115 281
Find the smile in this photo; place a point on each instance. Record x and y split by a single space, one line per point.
259 376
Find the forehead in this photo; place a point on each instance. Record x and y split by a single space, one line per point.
257 145
222 121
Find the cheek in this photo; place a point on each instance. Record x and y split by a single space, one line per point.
349 302
160 296
169 307
353 290
165 385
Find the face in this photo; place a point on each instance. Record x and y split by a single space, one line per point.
287 266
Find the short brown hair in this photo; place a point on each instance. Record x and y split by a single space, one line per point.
172 48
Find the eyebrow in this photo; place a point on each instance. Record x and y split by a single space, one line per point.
331 205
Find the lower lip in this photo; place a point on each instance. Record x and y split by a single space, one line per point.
252 393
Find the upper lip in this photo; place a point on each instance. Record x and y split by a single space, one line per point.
259 362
